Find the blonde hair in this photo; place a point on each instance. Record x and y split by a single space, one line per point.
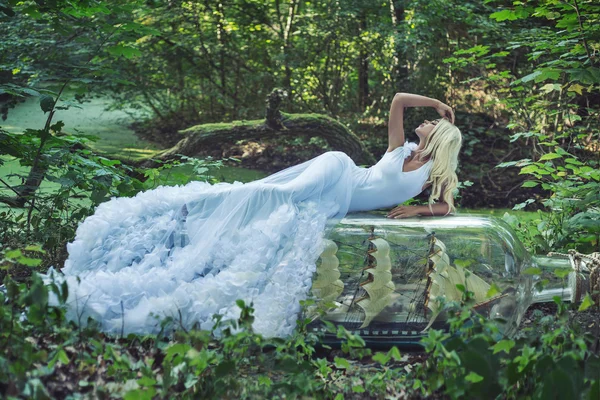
442 147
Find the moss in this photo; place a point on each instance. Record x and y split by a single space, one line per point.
257 123
223 126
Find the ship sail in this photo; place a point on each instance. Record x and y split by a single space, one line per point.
327 286
444 279
378 286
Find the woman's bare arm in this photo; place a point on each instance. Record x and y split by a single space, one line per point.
440 208
396 121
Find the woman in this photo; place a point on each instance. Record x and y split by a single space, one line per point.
189 252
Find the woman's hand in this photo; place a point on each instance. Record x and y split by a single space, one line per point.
445 111
403 212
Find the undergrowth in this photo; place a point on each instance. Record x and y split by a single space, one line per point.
43 355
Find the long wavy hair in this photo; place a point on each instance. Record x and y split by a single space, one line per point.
442 147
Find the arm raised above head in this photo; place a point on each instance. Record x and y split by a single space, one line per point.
396 120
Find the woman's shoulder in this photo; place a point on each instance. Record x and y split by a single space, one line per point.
406 149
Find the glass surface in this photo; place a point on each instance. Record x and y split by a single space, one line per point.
387 279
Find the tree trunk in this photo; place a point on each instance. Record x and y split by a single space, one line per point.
363 67
399 69
287 48
222 61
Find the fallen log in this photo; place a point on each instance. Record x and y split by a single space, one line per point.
276 123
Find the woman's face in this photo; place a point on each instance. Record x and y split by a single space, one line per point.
425 128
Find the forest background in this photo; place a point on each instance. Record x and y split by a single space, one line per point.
523 78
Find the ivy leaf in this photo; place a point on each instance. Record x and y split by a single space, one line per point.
341 363
504 345
586 303
358 389
394 353
381 358
577 88
473 377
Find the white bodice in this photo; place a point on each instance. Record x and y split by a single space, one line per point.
385 184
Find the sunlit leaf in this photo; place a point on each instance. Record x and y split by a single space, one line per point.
473 377
503 345
586 303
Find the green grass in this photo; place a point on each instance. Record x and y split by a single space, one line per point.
111 127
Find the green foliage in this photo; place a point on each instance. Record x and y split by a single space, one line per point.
553 110
475 361
48 355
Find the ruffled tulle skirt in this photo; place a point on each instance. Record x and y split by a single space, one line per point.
189 252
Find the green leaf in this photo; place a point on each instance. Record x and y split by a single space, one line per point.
146 381
529 169
531 76
550 87
34 247
394 353
30 262
13 254
341 363
62 357
577 88
532 271
46 103
265 381
562 272
381 358
358 389
586 303
109 163
125 51
463 263
550 156
177 348
509 15
493 290
503 345
473 377
530 184
587 76
542 75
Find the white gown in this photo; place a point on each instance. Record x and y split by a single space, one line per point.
189 252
